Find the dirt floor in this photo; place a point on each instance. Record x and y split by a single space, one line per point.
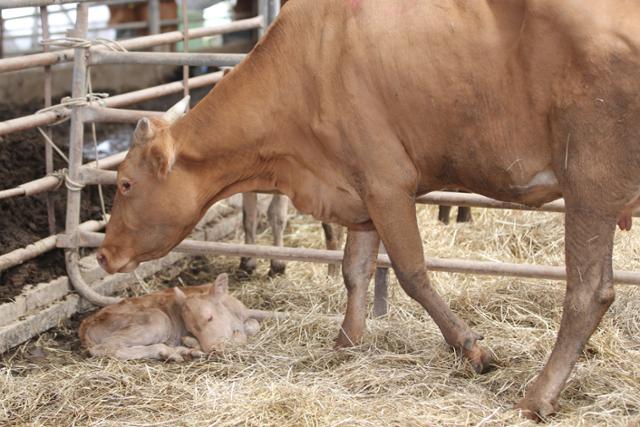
23 220
403 374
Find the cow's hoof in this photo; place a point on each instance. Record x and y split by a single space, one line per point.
344 341
480 359
247 267
536 409
277 268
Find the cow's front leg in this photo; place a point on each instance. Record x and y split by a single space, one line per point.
277 215
357 268
333 236
394 217
590 292
250 225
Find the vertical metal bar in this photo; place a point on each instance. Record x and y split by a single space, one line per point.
185 47
263 10
76 136
48 152
154 16
274 10
76 133
1 36
381 290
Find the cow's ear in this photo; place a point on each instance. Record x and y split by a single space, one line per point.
162 156
220 286
144 131
179 296
177 111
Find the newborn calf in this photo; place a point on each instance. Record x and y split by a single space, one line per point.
153 326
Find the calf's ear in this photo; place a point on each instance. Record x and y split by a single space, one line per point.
162 155
179 296
220 286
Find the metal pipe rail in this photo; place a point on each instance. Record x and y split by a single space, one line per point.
138 43
47 118
100 57
12 4
194 247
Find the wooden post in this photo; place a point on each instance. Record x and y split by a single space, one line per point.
76 139
48 151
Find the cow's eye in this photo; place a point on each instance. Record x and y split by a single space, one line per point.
210 319
125 186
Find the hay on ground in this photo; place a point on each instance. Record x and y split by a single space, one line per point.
403 374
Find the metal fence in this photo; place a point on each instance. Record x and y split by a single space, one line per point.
85 110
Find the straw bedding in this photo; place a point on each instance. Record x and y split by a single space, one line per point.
403 374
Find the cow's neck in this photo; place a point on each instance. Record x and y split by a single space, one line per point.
238 134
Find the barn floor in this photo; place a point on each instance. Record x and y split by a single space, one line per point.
402 375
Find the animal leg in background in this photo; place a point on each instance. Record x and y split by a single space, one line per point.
590 292
277 215
334 236
250 225
381 290
394 216
464 214
357 268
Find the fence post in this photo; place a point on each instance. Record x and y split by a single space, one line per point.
154 16
1 36
76 138
185 48
48 151
263 10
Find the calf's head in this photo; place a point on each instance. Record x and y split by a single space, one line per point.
156 203
206 317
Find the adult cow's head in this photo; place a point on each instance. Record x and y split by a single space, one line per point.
156 203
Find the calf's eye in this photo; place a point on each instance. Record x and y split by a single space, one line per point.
210 319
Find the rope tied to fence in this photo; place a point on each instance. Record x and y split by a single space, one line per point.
78 42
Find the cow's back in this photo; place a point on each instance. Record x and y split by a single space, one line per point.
469 88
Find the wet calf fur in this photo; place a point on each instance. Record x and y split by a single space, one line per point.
203 318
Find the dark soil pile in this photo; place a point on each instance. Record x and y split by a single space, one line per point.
23 220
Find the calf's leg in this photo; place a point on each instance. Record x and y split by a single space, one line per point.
590 292
333 235
250 225
357 268
394 216
277 215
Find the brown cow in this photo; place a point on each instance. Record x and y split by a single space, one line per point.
154 325
358 106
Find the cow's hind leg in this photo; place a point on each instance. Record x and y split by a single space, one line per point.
333 236
394 216
590 292
250 225
277 215
357 268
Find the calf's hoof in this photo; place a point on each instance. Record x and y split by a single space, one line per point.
277 268
536 409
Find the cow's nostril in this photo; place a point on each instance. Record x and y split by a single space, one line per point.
102 260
